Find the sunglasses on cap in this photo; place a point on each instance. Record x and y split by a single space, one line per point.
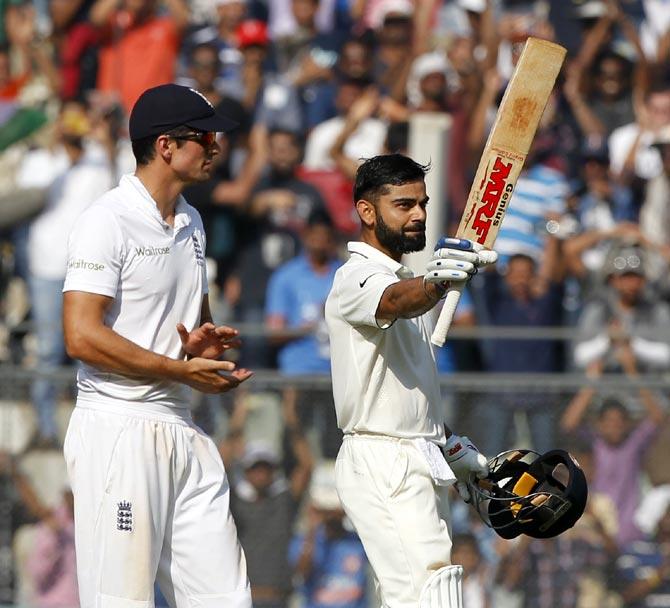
205 138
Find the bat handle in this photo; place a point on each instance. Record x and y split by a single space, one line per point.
447 314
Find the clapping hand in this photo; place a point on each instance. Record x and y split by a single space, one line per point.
208 341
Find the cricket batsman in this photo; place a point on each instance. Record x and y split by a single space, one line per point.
398 457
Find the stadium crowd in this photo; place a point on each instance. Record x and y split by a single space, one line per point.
315 86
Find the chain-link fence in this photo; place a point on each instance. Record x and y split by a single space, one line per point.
497 411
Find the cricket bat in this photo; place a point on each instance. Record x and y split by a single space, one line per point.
504 154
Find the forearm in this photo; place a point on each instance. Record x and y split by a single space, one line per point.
588 351
103 348
101 12
304 564
179 11
407 299
650 352
588 122
343 162
593 42
651 405
575 411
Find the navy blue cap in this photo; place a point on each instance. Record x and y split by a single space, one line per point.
167 106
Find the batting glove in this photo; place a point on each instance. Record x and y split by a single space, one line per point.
457 260
466 462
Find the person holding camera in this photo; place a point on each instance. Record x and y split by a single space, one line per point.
624 315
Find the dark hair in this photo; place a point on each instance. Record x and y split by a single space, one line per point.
207 46
658 87
465 538
361 82
144 149
378 172
521 257
297 137
609 55
612 403
319 217
397 136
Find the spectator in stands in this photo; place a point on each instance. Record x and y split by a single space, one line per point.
308 57
427 86
644 568
632 153
367 141
604 212
625 318
204 67
270 95
24 58
619 444
477 578
329 559
222 35
75 39
139 45
73 173
265 504
541 190
51 564
276 214
655 211
295 300
606 81
20 505
221 218
526 296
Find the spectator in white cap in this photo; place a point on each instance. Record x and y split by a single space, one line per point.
427 85
264 503
329 558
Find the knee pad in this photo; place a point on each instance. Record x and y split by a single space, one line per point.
443 589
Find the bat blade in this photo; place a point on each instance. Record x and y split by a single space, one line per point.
505 151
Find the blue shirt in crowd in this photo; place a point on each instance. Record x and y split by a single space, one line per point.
296 293
540 190
641 561
339 572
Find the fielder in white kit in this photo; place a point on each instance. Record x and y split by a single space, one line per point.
151 494
397 458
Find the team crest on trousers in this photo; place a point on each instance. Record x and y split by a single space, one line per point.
124 516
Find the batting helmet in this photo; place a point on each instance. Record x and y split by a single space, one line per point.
540 495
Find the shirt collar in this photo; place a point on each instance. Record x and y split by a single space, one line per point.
371 253
181 216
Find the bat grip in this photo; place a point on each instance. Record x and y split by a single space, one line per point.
447 314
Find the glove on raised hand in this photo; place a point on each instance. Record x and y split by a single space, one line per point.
457 260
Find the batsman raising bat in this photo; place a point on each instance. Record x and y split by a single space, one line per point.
398 458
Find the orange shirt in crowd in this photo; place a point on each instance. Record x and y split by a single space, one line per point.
136 56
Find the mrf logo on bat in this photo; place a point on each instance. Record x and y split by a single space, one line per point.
497 191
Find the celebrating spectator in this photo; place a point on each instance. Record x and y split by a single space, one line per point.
74 174
619 444
329 559
139 45
625 319
265 504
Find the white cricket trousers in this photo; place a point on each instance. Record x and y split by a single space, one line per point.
400 515
151 504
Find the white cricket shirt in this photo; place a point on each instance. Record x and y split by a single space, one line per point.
122 248
384 375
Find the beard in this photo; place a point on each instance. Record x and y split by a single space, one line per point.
398 241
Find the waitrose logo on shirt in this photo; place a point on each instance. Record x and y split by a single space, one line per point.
152 250
85 265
